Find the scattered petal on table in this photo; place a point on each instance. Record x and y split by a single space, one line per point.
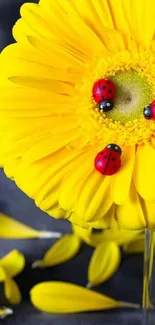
63 250
61 297
104 263
4 312
12 291
11 228
13 263
2 274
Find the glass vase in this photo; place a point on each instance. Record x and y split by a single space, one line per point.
148 299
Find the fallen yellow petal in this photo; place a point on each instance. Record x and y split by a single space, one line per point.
2 274
61 297
63 250
136 246
12 292
11 228
13 263
104 263
4 312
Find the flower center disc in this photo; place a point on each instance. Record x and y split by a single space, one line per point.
133 93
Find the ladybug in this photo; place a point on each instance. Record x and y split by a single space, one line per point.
103 89
105 105
108 161
149 111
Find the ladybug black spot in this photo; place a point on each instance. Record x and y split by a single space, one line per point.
104 87
115 166
113 159
109 91
105 157
108 81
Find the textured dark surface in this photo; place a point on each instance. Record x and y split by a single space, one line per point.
126 284
107 318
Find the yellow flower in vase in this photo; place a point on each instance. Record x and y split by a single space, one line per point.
52 128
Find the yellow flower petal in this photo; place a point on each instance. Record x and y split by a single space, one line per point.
40 103
2 274
63 250
41 26
83 36
104 263
4 312
134 18
12 291
89 12
61 297
143 21
96 239
13 263
89 203
84 186
44 147
11 228
98 16
32 15
43 83
53 51
105 222
144 177
32 12
20 31
124 176
121 16
130 215
136 246
70 185
116 234
75 220
39 66
46 180
82 233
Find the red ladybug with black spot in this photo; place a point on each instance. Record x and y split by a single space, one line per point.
103 89
149 111
108 161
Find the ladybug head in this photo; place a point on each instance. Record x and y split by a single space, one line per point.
105 105
147 112
115 147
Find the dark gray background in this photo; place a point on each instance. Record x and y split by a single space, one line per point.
126 284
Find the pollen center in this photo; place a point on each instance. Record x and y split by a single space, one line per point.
133 93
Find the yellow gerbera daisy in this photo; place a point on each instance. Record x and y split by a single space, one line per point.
51 130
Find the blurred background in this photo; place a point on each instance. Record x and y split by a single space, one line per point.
125 285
